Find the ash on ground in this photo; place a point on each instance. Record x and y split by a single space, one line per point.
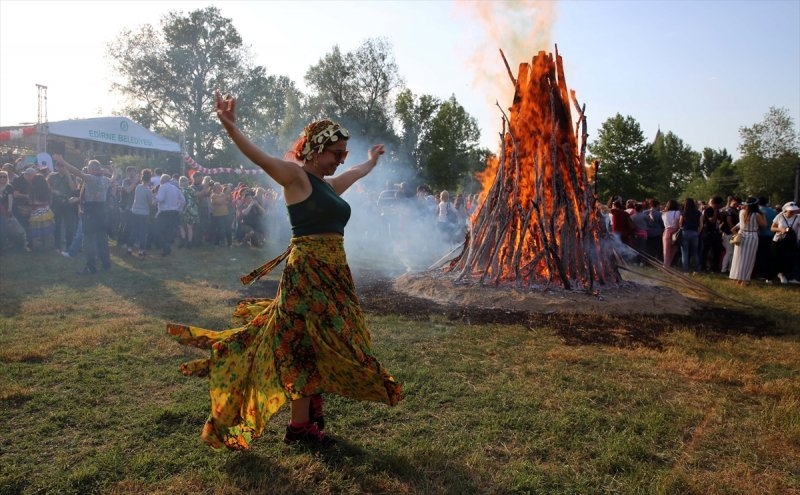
623 316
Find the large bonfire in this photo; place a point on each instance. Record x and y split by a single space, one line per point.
538 224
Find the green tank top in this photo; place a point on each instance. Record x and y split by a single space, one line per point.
322 212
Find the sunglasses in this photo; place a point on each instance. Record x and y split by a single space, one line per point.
339 154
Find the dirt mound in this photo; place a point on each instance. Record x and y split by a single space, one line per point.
625 298
630 315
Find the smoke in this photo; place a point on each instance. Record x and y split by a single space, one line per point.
520 29
391 230
398 235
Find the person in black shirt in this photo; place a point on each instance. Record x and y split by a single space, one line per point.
691 226
711 237
728 218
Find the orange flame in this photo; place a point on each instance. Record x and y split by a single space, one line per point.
537 222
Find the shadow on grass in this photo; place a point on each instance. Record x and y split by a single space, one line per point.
144 282
366 471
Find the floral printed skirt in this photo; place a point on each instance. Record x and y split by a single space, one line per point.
310 339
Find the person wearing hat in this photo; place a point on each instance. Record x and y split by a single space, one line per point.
744 253
787 230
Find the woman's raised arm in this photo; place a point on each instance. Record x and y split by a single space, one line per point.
283 172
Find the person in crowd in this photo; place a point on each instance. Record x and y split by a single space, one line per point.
639 218
655 229
202 188
462 217
155 180
94 198
621 223
22 204
744 253
141 209
77 240
220 210
690 223
446 217
11 171
125 192
41 221
313 338
764 267
11 232
250 223
728 218
786 232
64 205
711 238
671 216
630 207
190 215
230 220
169 204
274 214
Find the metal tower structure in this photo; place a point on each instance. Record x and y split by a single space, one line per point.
41 120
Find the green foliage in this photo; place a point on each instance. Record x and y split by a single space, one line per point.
626 160
723 181
676 166
770 152
93 402
170 76
449 151
356 88
711 160
415 115
772 138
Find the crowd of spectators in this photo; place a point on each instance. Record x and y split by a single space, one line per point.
147 210
765 237
142 210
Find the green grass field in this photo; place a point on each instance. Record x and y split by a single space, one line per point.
91 398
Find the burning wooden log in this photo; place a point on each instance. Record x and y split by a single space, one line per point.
538 223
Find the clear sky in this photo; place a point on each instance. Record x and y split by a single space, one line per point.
701 69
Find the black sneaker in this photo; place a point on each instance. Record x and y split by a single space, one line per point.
309 434
315 411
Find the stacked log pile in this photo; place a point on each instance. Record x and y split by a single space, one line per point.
538 224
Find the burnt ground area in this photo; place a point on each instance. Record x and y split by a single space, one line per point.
378 295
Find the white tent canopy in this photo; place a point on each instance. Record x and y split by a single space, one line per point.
120 131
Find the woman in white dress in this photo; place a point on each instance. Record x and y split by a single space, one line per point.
744 253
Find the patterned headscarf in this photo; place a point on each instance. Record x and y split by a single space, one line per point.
318 134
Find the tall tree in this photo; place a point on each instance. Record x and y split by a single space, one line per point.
450 153
770 152
711 160
626 161
676 166
415 115
723 181
169 78
356 88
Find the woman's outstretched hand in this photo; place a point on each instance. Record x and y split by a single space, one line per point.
226 109
375 152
